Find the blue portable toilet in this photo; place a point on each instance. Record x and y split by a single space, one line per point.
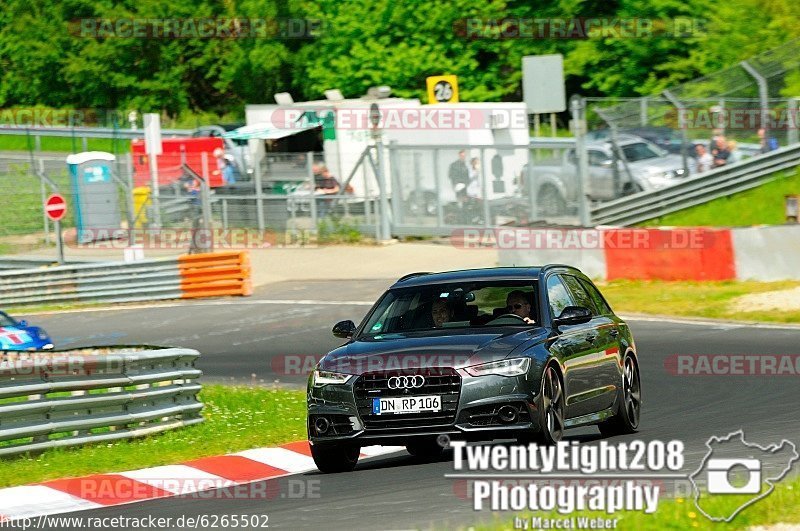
95 195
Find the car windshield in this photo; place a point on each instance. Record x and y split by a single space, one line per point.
641 151
454 305
5 320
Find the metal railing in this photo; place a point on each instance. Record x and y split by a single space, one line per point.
87 132
143 280
56 399
714 184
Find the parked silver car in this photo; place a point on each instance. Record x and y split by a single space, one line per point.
634 165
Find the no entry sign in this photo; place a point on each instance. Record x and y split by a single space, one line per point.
55 207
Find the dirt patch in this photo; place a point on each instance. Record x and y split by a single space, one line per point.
785 300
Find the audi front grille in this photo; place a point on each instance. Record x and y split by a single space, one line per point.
444 382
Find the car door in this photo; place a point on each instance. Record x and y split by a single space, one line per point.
601 364
573 349
601 175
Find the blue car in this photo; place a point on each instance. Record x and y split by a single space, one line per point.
17 335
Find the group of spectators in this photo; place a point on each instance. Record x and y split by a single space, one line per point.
721 151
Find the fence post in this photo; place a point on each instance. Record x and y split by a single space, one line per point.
259 190
439 206
681 108
763 95
384 191
396 188
794 121
312 186
578 107
487 212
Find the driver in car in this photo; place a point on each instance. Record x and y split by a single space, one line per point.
517 303
441 312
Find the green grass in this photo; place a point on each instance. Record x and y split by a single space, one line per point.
237 418
24 191
760 206
693 299
782 505
64 144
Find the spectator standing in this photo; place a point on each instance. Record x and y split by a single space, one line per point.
720 152
458 173
734 154
474 186
767 143
704 159
324 184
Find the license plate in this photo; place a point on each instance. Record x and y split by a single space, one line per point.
406 404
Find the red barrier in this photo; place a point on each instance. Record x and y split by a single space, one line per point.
669 254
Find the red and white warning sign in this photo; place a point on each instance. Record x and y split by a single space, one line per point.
55 207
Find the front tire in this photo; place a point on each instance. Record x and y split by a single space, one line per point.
330 459
551 410
629 411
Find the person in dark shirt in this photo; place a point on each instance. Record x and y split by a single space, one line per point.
458 173
324 184
719 152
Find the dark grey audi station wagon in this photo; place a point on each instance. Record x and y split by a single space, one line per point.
503 353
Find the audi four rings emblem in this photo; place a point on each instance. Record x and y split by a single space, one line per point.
406 382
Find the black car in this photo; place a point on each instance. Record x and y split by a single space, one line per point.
482 354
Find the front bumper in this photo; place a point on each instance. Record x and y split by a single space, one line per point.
477 408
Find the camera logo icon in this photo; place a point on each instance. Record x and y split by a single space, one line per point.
733 466
721 476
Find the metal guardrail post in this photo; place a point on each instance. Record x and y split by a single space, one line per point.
313 187
487 212
794 121
578 107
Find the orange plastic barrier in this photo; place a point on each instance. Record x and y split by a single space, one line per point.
215 274
669 254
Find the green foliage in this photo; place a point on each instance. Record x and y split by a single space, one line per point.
47 60
337 230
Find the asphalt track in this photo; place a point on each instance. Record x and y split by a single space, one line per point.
239 338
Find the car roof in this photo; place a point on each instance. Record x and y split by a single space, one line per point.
485 274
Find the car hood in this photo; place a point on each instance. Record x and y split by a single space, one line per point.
440 348
657 165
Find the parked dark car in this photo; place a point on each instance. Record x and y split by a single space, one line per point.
477 354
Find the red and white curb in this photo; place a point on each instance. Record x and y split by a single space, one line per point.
205 474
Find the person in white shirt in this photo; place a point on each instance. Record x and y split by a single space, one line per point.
704 159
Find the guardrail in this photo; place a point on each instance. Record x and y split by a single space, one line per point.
187 276
68 398
717 183
87 132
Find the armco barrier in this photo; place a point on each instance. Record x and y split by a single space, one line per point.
188 276
67 398
754 253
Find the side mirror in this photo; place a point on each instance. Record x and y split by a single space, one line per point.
23 323
344 329
573 315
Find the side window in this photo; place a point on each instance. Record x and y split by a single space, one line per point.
558 296
599 301
579 293
597 158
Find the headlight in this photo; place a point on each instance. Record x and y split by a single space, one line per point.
321 378
513 367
